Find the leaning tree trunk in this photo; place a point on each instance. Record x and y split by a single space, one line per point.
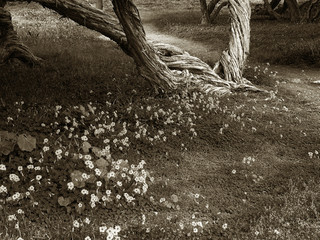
148 62
274 3
10 45
165 65
217 11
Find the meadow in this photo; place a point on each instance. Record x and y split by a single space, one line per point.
90 151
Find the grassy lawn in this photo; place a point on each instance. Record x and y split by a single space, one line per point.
115 160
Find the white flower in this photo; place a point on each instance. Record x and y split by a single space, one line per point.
31 188
45 148
97 171
16 196
76 223
58 152
87 238
87 220
38 177
108 192
119 183
70 185
234 171
103 229
30 166
99 183
136 190
12 217
117 228
224 226
276 231
13 177
91 166
20 168
162 200
84 192
84 138
3 167
195 230
20 211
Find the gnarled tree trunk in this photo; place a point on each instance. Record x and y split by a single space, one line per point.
10 45
148 62
166 65
233 60
99 4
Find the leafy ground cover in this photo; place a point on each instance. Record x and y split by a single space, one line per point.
89 151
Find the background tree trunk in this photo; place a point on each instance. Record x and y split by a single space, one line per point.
217 11
294 10
204 11
274 3
10 45
212 5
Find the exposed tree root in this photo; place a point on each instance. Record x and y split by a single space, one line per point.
10 45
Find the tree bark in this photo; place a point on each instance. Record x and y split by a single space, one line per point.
148 62
212 5
233 60
295 15
204 11
166 65
275 3
10 45
217 11
99 4
271 11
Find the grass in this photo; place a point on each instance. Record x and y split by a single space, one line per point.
244 166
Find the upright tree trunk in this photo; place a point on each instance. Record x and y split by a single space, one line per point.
295 14
233 60
204 11
10 45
